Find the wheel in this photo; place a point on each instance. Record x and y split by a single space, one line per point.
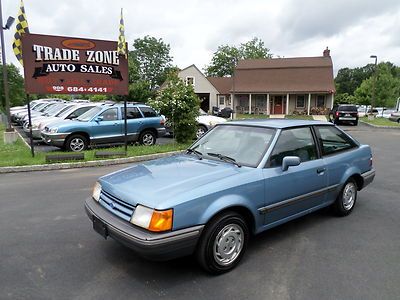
355 123
336 122
201 130
147 138
76 143
223 243
346 199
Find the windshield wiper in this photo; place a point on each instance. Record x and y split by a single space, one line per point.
193 150
225 158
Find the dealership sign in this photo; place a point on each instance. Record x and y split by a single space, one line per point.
64 65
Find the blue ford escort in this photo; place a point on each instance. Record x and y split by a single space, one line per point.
240 179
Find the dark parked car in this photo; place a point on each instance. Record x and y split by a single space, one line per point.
239 179
344 113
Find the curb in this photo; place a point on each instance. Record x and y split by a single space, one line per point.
20 136
93 163
378 126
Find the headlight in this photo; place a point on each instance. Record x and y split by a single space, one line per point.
54 130
151 219
96 191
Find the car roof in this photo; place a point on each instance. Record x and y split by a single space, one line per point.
277 123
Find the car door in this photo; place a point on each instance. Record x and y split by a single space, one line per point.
107 126
335 150
134 123
299 188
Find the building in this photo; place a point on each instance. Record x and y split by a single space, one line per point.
300 85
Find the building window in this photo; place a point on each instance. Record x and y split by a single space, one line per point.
221 100
300 101
320 101
190 80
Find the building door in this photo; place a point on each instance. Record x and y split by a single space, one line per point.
204 101
278 105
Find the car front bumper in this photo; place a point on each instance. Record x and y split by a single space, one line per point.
161 132
394 118
154 246
54 139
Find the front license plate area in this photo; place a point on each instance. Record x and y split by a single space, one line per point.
100 227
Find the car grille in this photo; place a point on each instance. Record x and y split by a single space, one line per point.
116 206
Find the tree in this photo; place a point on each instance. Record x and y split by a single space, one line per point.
15 86
149 61
180 105
387 88
348 80
226 57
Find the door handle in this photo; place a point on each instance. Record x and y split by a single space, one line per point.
321 170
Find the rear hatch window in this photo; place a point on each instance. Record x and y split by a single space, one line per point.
348 108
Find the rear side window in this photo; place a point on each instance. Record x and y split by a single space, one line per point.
131 113
148 112
333 140
294 142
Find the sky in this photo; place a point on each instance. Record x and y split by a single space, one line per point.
352 29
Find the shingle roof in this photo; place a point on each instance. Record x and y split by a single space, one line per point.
300 74
222 84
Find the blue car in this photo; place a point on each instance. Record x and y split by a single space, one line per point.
105 125
240 179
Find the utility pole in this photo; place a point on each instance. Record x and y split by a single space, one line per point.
374 83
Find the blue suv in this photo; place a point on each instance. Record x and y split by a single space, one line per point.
105 125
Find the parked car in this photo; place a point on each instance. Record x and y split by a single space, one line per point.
105 125
344 113
204 123
70 112
240 179
395 117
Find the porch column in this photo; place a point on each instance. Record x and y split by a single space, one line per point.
332 99
232 101
308 105
268 106
249 104
287 104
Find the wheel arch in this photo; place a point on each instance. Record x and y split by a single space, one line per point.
83 133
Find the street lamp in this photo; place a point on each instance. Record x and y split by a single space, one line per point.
374 83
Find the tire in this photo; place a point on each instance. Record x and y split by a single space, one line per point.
355 123
346 200
228 227
76 143
147 138
201 130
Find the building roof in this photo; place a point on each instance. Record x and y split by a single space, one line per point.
222 84
284 75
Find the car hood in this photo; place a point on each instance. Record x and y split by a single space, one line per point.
156 181
61 124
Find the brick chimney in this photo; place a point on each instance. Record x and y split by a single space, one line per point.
327 52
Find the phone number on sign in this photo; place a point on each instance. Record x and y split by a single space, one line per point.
87 89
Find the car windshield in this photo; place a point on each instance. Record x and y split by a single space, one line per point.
65 110
55 109
47 107
87 116
39 106
246 145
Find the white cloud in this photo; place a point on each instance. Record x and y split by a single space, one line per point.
353 30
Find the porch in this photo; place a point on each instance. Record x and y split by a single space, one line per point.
286 104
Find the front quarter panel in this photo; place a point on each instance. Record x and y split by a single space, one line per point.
245 190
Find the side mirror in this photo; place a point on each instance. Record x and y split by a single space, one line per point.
98 119
290 161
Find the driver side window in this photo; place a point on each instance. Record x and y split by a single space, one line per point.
110 114
294 142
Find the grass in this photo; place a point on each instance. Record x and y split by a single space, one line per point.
380 122
18 154
295 117
247 116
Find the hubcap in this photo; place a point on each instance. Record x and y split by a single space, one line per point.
228 244
148 139
77 144
200 132
349 195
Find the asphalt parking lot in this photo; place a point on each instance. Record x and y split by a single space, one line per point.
49 250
